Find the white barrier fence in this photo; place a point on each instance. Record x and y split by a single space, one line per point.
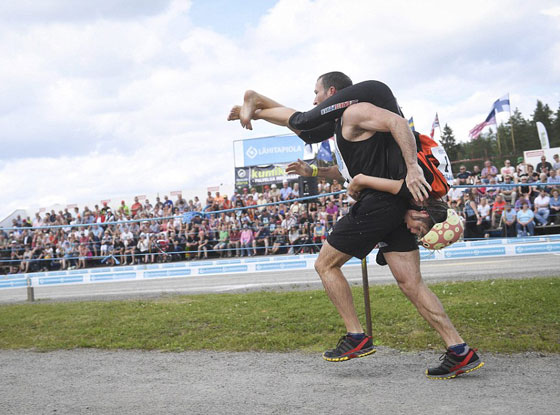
471 249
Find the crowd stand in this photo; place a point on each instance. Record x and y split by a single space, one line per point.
268 221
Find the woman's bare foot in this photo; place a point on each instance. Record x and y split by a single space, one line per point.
234 113
248 109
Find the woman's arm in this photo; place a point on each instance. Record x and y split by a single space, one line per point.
361 182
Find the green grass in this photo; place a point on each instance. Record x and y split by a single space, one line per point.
495 316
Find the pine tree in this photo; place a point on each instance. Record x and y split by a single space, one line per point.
449 143
525 133
554 133
544 114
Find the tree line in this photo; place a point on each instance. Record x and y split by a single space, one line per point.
507 141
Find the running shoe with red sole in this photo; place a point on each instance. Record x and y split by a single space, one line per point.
348 348
453 365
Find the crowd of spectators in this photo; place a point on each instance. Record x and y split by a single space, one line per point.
287 227
508 211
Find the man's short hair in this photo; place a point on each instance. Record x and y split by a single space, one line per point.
337 79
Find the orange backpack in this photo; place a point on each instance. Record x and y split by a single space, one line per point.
435 159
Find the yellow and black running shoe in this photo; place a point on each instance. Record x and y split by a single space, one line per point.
349 348
453 365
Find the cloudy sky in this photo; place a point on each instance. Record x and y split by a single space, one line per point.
113 98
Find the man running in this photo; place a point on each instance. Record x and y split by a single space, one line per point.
372 139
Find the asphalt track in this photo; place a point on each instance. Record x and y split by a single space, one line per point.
388 382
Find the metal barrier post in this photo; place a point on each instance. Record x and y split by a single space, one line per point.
30 291
365 282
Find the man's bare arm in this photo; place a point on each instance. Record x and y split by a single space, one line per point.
301 168
362 119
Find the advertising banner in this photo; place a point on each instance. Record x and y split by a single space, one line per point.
534 156
261 175
275 173
242 177
268 150
543 136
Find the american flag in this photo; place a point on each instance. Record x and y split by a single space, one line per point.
491 119
434 126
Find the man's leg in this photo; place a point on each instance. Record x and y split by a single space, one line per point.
459 358
405 267
355 343
328 266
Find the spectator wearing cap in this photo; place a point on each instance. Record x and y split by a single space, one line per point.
226 203
525 221
124 208
509 220
543 164
542 207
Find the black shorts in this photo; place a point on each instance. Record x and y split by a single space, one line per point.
376 217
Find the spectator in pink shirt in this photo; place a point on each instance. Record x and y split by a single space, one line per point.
246 240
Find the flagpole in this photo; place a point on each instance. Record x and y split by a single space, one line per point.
511 127
498 139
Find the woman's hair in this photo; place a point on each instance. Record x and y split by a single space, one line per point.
437 212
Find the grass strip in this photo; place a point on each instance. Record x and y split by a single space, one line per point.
495 316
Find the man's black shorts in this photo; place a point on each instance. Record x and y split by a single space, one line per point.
376 217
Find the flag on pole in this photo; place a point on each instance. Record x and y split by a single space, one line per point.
411 124
502 104
435 125
491 119
324 152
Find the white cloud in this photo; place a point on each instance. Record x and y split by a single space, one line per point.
118 100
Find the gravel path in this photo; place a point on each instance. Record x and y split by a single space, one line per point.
389 382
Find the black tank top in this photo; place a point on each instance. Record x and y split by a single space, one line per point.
379 155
